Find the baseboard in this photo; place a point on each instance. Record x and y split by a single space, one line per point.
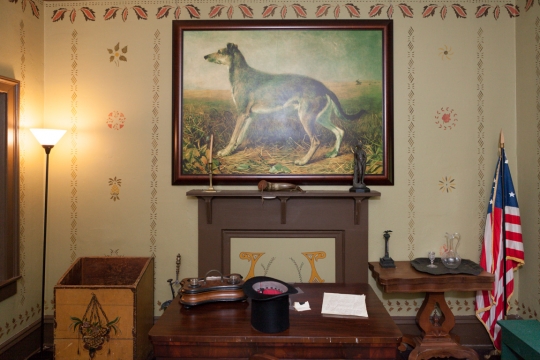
27 341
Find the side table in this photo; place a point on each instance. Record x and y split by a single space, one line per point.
436 339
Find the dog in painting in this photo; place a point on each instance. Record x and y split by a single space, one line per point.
257 92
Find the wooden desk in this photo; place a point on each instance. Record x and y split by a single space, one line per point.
223 330
436 340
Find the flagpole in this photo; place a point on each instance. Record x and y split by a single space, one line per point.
503 225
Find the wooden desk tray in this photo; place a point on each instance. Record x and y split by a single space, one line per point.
196 291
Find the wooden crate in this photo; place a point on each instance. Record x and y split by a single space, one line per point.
101 289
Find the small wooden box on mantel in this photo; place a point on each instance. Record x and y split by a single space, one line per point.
113 299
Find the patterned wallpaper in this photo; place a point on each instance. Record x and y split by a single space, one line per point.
144 10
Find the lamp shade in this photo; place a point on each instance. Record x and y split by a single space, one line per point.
48 136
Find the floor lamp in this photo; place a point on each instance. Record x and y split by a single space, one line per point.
47 138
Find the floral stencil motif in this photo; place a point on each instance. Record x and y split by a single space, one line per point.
461 12
429 10
116 56
94 327
216 10
398 306
446 118
58 14
140 12
115 188
445 52
447 184
116 120
33 6
163 12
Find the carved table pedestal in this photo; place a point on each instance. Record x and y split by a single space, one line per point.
434 317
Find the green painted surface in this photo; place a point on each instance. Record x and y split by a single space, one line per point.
520 338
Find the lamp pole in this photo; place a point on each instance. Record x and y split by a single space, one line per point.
47 152
47 138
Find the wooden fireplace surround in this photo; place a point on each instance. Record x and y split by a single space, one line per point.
339 214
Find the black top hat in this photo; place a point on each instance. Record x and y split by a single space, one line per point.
269 303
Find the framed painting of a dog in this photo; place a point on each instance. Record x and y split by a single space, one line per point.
283 101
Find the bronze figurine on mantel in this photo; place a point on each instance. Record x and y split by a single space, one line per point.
360 158
387 261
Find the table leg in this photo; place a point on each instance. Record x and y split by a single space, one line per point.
436 320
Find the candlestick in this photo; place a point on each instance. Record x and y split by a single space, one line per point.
210 188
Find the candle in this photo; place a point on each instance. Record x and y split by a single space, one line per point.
211 145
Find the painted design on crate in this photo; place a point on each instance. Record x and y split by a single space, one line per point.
447 184
312 257
115 188
94 327
116 54
446 118
116 120
33 6
282 11
445 52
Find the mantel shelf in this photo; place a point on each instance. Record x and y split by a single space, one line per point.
282 196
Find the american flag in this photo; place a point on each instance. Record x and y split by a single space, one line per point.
490 304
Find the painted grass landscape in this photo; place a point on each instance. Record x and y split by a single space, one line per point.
275 140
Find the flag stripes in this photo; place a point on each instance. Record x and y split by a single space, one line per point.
499 246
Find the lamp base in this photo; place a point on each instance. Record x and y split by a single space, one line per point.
46 354
387 262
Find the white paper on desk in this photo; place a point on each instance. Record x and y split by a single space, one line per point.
344 304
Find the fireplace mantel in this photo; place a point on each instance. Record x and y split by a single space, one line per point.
282 196
221 213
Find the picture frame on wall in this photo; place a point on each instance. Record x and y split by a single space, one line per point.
283 101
